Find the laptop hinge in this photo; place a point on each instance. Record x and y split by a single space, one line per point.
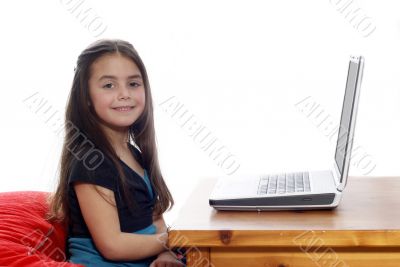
336 177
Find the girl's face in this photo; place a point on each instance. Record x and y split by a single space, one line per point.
116 90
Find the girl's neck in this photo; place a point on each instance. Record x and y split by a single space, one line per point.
118 139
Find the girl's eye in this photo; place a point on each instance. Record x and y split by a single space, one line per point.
134 84
108 85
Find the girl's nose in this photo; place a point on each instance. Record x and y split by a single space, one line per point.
123 92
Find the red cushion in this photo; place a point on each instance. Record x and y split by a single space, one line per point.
23 229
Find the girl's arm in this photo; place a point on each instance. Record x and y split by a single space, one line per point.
102 221
168 257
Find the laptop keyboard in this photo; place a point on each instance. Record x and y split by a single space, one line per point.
284 183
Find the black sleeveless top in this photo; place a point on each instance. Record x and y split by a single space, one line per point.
105 175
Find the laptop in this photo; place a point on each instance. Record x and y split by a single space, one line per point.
302 190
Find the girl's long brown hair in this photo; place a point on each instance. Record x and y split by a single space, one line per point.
82 117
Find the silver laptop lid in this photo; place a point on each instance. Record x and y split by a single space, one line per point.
348 120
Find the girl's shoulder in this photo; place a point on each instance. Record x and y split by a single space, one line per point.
103 173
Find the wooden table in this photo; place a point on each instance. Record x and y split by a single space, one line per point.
363 231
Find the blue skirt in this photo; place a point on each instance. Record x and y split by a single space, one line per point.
83 251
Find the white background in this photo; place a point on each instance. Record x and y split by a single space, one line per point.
239 67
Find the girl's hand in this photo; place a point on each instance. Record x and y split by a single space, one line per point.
166 259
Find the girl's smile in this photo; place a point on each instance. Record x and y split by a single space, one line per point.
124 108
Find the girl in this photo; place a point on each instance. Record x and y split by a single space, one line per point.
111 194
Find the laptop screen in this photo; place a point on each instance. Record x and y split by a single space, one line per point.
343 143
